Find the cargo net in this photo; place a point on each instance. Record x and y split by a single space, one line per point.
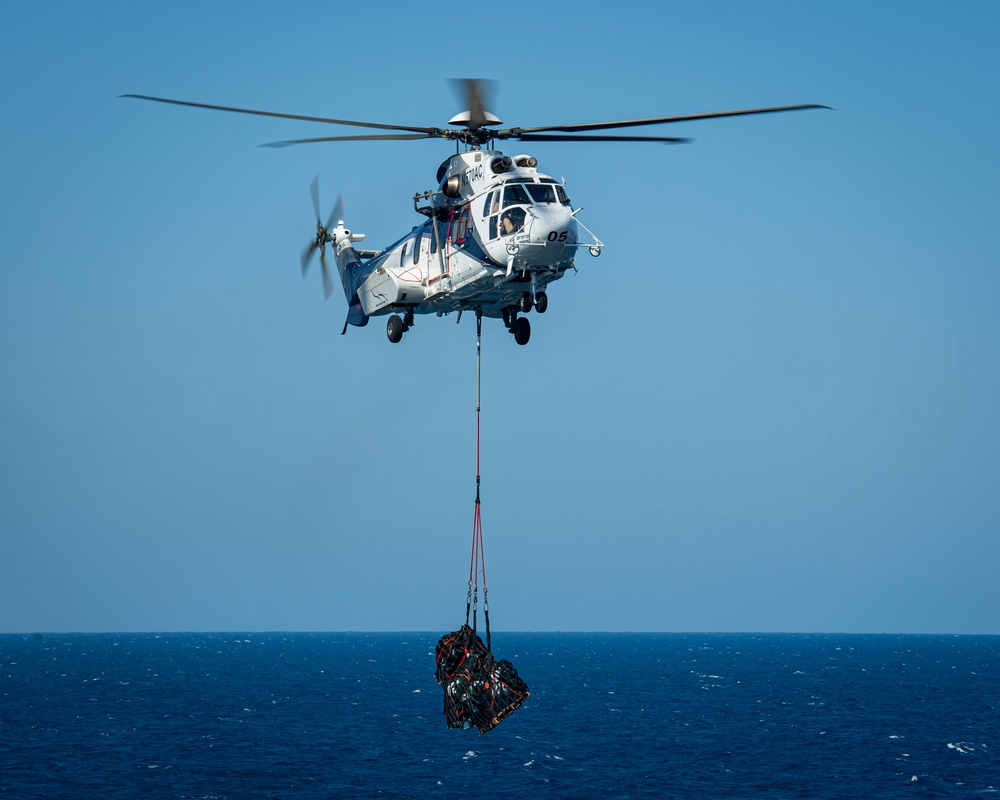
479 691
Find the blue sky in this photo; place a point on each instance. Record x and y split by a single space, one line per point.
771 405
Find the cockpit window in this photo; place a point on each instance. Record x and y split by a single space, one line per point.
515 195
542 193
562 195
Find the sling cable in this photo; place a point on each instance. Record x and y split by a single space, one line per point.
479 691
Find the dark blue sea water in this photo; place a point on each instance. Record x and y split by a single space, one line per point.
354 715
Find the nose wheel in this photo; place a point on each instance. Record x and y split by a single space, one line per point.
526 301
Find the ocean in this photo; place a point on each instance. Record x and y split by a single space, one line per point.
358 715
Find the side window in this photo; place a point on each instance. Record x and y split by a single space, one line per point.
460 226
512 220
493 227
439 234
416 248
486 205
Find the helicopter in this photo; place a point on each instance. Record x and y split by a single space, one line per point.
498 231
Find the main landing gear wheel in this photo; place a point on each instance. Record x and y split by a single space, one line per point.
525 302
541 302
521 329
394 328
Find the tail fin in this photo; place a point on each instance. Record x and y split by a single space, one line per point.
349 267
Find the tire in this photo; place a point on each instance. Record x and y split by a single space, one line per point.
525 302
394 328
541 302
522 330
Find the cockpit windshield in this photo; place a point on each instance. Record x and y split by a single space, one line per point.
514 194
547 193
542 193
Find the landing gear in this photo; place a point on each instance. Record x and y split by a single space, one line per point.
525 302
541 302
519 326
394 328
521 329
397 326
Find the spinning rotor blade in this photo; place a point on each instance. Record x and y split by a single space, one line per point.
424 130
337 215
473 122
314 193
322 232
384 137
516 133
558 137
474 93
306 258
327 283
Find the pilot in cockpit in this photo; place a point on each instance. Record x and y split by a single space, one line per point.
512 220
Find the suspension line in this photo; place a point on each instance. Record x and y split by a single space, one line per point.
477 562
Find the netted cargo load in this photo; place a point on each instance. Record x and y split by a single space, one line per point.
479 691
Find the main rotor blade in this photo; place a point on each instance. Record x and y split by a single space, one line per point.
628 123
373 137
284 116
475 94
560 137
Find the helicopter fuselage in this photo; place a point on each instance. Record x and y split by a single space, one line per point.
498 233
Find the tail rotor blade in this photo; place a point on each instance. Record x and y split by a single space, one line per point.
327 283
314 192
306 258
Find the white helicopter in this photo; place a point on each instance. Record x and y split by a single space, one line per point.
498 231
